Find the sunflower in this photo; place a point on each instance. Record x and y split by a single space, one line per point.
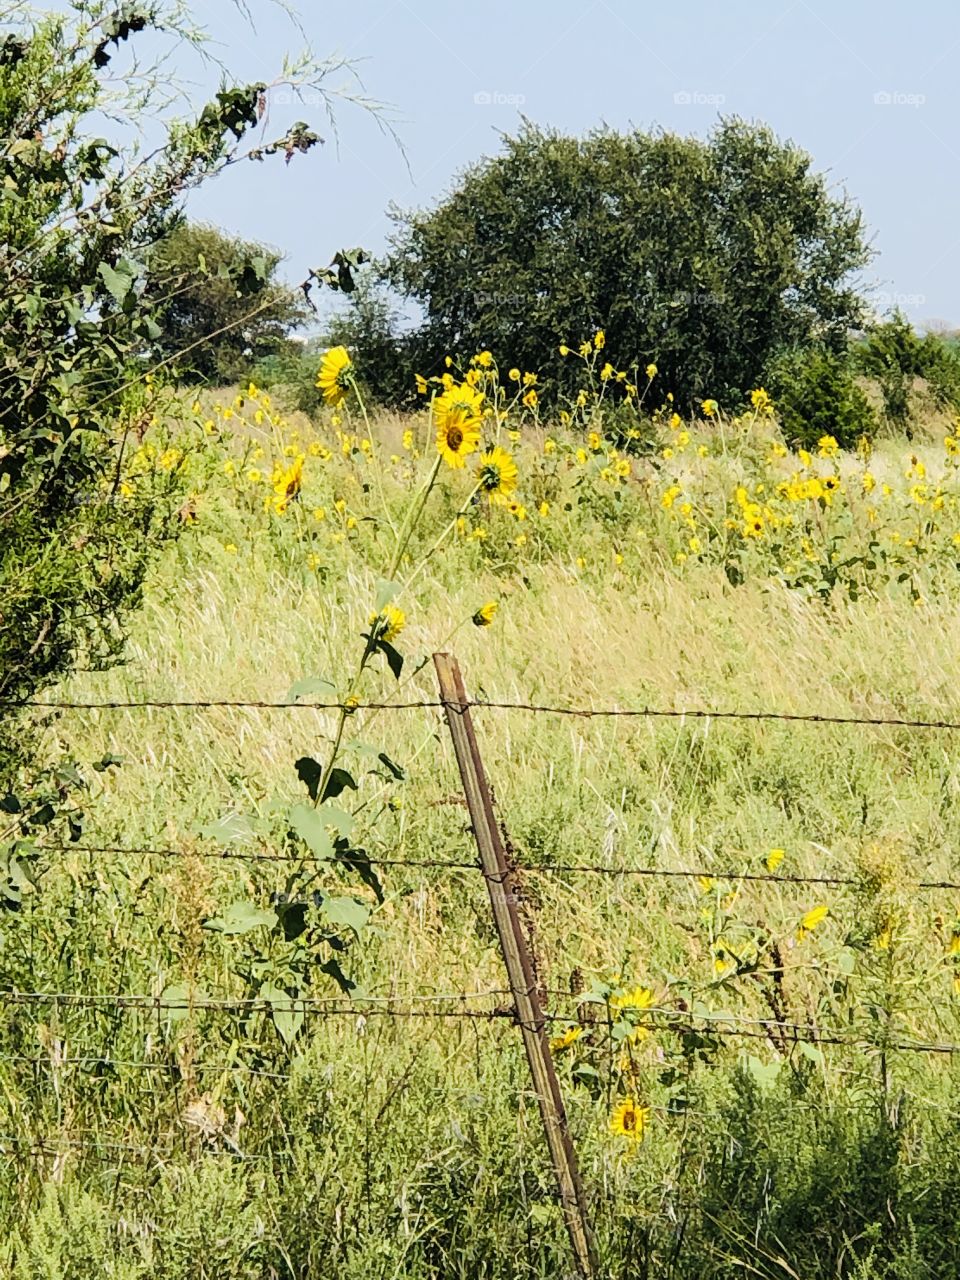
498 475
457 414
334 371
638 998
565 1039
388 623
485 614
629 1121
287 484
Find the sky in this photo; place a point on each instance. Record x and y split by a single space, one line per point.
868 89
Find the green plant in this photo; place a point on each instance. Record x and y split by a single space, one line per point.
79 219
896 356
706 256
218 296
817 394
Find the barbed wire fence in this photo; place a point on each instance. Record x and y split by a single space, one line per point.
518 1005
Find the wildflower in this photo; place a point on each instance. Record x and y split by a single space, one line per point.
421 384
773 859
761 402
594 441
606 373
702 451
709 408
670 496
498 475
564 349
952 446
810 921
622 468
543 510
485 614
514 375
319 514
827 447
388 623
599 340
639 998
651 371
288 486
484 359
869 483
529 379
629 1121
334 375
254 475
549 445
694 545
530 399
565 1039
457 413
517 510
230 548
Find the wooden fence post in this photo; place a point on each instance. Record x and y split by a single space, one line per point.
519 965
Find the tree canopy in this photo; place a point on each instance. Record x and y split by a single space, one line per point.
705 256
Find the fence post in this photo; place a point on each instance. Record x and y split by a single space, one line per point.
519 965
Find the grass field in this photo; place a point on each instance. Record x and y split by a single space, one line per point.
217 1142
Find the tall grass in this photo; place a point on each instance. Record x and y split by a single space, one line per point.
411 1147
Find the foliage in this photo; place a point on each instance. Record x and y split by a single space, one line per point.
818 394
896 356
217 297
78 219
706 257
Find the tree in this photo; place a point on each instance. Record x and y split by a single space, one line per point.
78 219
705 257
204 284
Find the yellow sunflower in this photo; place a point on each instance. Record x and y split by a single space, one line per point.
334 372
498 475
457 414
629 1121
485 614
388 623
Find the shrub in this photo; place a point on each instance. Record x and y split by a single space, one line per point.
817 395
895 355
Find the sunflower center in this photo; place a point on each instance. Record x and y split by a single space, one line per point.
455 437
629 1120
490 477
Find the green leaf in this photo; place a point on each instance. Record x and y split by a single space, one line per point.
118 283
179 996
287 1018
310 826
339 819
359 861
389 764
309 771
235 828
337 783
385 592
764 1073
346 913
241 917
10 803
311 685
293 919
394 660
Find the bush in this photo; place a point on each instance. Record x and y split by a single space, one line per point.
705 257
817 394
896 356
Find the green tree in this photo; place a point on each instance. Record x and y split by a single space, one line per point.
78 217
204 284
705 256
896 357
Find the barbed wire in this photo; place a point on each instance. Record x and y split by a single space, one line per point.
485 704
654 1018
560 868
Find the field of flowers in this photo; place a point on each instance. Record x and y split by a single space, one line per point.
611 554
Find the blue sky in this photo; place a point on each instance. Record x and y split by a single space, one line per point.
869 89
